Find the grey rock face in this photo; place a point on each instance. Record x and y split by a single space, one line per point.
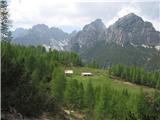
91 33
132 29
41 35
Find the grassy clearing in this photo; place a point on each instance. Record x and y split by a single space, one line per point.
101 78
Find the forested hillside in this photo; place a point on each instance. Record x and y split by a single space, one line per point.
27 74
136 75
129 41
33 82
36 86
110 54
111 98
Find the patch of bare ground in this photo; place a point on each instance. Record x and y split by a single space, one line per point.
75 115
14 115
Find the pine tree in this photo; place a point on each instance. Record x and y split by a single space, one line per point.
5 23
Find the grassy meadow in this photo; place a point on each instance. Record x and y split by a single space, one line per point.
102 78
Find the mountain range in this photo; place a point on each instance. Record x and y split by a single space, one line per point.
41 34
130 40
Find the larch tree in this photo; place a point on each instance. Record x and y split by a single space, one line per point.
71 92
89 96
80 95
58 84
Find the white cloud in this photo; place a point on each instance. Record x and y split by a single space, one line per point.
134 8
155 22
26 13
124 11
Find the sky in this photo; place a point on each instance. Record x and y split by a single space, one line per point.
72 15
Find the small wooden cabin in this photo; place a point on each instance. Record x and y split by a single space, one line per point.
68 72
86 74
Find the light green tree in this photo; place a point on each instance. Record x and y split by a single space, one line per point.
58 84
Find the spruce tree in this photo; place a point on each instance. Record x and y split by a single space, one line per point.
5 22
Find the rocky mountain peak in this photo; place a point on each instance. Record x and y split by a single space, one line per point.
131 16
41 34
132 29
89 35
40 27
95 25
128 21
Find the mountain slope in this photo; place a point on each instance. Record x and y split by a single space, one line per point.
91 33
110 54
41 35
129 41
132 29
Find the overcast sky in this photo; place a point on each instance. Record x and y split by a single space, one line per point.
74 14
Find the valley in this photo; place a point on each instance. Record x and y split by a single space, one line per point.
100 95
100 72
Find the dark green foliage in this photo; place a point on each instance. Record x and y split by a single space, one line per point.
110 54
27 74
33 82
19 89
93 64
131 116
30 101
136 75
65 58
154 62
11 74
149 106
